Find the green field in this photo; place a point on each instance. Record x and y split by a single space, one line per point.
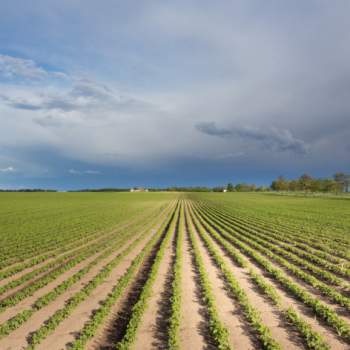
174 270
318 217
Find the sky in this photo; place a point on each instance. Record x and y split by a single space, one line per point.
157 93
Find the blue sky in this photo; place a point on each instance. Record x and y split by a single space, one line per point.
158 93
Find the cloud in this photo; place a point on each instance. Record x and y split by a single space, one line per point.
49 121
84 172
13 67
84 96
210 128
269 138
20 68
19 103
254 68
8 169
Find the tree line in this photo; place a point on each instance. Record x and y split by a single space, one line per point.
28 190
306 183
339 183
240 187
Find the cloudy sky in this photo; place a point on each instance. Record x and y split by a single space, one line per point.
157 93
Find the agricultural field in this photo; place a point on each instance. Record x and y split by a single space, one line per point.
174 271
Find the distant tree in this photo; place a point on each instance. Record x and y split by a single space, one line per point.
328 185
188 189
343 181
281 184
242 187
239 187
230 187
293 185
339 183
218 189
262 189
274 185
315 185
305 182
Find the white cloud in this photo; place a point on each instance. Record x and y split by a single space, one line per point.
9 169
21 68
14 67
84 95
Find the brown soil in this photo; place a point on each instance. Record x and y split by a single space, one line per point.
193 325
228 310
152 332
115 325
333 340
18 337
66 331
270 315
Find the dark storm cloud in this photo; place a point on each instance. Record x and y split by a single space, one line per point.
210 128
272 138
266 86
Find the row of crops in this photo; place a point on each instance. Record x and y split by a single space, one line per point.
254 281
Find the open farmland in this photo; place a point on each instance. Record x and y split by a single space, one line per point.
174 271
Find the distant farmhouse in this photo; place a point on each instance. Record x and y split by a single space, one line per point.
138 189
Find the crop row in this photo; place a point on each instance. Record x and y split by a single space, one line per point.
322 243
16 321
319 308
308 234
102 242
91 327
75 241
277 239
248 231
251 314
39 236
141 305
312 339
80 255
218 330
174 321
50 276
60 315
293 239
268 249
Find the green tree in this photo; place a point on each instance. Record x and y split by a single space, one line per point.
281 184
328 185
230 187
305 182
293 185
343 181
